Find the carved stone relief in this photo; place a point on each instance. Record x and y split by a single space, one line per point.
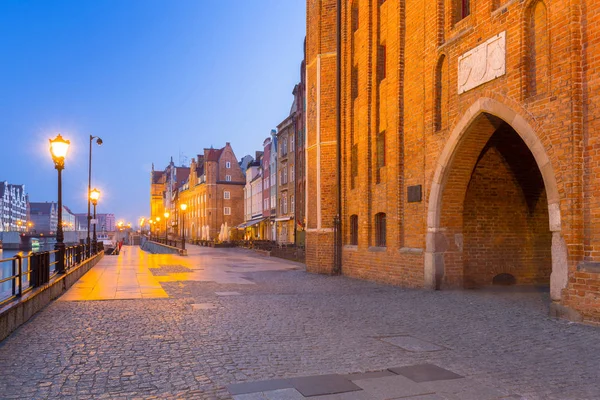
483 63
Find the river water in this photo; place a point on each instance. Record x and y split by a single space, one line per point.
6 269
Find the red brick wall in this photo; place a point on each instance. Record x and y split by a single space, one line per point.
558 39
505 224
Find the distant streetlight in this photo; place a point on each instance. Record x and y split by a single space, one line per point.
89 217
94 196
166 214
157 227
58 149
183 207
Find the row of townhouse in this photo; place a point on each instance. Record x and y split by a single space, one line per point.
275 181
258 198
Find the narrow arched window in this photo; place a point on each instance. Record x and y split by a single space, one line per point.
538 49
441 94
380 230
354 230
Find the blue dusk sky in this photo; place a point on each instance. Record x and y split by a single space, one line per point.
153 79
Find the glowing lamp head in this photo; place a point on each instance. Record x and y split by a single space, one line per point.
183 206
58 150
157 219
167 214
94 196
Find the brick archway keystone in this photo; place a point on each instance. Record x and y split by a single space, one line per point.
435 245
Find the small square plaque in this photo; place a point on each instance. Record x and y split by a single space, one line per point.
414 194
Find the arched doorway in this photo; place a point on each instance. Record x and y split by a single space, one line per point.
494 213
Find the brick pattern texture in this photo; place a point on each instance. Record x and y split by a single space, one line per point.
550 85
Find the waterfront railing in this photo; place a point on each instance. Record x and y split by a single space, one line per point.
36 269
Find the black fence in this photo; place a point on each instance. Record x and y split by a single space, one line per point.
26 272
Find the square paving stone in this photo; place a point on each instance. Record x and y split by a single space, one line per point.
250 396
425 373
283 394
323 384
392 387
259 386
412 344
463 389
369 375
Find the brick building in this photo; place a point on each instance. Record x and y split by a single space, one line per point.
213 192
286 164
465 134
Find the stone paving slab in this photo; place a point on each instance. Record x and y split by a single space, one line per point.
285 324
410 343
425 373
391 387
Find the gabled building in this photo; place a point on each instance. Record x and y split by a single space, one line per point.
213 192
13 207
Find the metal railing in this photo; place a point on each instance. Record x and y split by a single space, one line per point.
168 242
33 270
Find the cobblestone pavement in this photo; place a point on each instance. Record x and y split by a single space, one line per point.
290 324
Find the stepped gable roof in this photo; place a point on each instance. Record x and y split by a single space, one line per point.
214 154
156 176
183 174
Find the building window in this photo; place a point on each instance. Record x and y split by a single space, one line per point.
354 230
226 210
380 155
462 9
291 173
292 204
284 145
266 204
227 164
226 195
285 210
228 178
380 230
381 57
354 164
292 143
284 178
354 83
355 16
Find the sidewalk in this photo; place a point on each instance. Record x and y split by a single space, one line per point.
231 324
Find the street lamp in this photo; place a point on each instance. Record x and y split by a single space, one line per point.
94 196
58 150
183 207
157 228
89 217
166 214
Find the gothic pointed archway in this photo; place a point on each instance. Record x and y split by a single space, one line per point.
494 197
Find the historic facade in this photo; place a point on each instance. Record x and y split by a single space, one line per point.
13 207
213 193
465 131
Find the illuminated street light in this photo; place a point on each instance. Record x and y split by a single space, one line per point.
58 149
94 196
183 207
89 217
166 214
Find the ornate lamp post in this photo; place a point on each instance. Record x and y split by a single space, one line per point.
58 150
89 217
94 196
183 207
166 214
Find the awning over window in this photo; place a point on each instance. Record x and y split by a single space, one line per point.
283 219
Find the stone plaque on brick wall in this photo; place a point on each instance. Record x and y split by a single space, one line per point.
414 194
483 63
